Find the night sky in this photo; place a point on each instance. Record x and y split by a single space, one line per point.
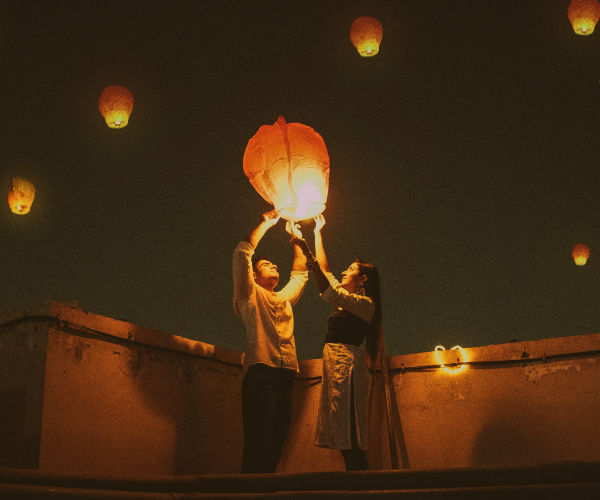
464 161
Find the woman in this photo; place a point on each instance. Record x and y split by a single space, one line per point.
355 321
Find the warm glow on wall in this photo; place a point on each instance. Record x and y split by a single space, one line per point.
462 360
288 165
366 34
20 196
580 253
584 15
115 105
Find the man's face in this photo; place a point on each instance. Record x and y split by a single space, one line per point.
266 274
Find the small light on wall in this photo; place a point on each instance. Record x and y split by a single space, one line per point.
580 254
460 361
20 196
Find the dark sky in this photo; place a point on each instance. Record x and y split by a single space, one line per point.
464 161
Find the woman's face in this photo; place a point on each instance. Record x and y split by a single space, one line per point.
352 280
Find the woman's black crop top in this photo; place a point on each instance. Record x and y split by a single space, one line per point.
345 328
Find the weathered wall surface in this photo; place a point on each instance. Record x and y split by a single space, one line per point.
140 402
508 410
119 399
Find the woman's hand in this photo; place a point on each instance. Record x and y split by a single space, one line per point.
319 223
293 229
319 248
270 218
302 245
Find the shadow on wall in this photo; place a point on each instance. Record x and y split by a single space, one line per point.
15 451
200 398
511 438
398 429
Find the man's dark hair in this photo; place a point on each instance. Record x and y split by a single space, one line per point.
257 258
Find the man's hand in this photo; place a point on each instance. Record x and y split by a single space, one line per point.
319 223
270 218
293 229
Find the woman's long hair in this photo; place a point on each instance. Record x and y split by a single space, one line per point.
372 289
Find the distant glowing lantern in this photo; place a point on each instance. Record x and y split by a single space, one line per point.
580 254
20 196
288 165
461 366
115 105
584 15
366 34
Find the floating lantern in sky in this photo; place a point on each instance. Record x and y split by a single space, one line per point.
115 105
366 34
584 15
288 165
20 196
580 253
460 367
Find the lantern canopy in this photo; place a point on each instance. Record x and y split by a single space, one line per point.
580 254
366 34
115 105
288 165
584 15
20 196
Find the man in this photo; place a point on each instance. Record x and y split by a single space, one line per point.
270 363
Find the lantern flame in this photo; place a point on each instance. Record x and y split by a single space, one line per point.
288 165
580 254
366 34
583 15
461 366
20 196
115 105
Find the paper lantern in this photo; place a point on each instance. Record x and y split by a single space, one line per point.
20 196
366 34
580 254
288 165
584 15
115 105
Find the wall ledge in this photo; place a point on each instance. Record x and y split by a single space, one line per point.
69 313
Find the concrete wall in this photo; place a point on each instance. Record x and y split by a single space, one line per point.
133 402
141 401
541 407
120 399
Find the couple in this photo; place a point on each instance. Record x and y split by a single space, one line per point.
271 365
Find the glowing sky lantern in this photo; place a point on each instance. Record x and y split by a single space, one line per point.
584 15
20 196
460 367
580 253
115 105
366 34
288 165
